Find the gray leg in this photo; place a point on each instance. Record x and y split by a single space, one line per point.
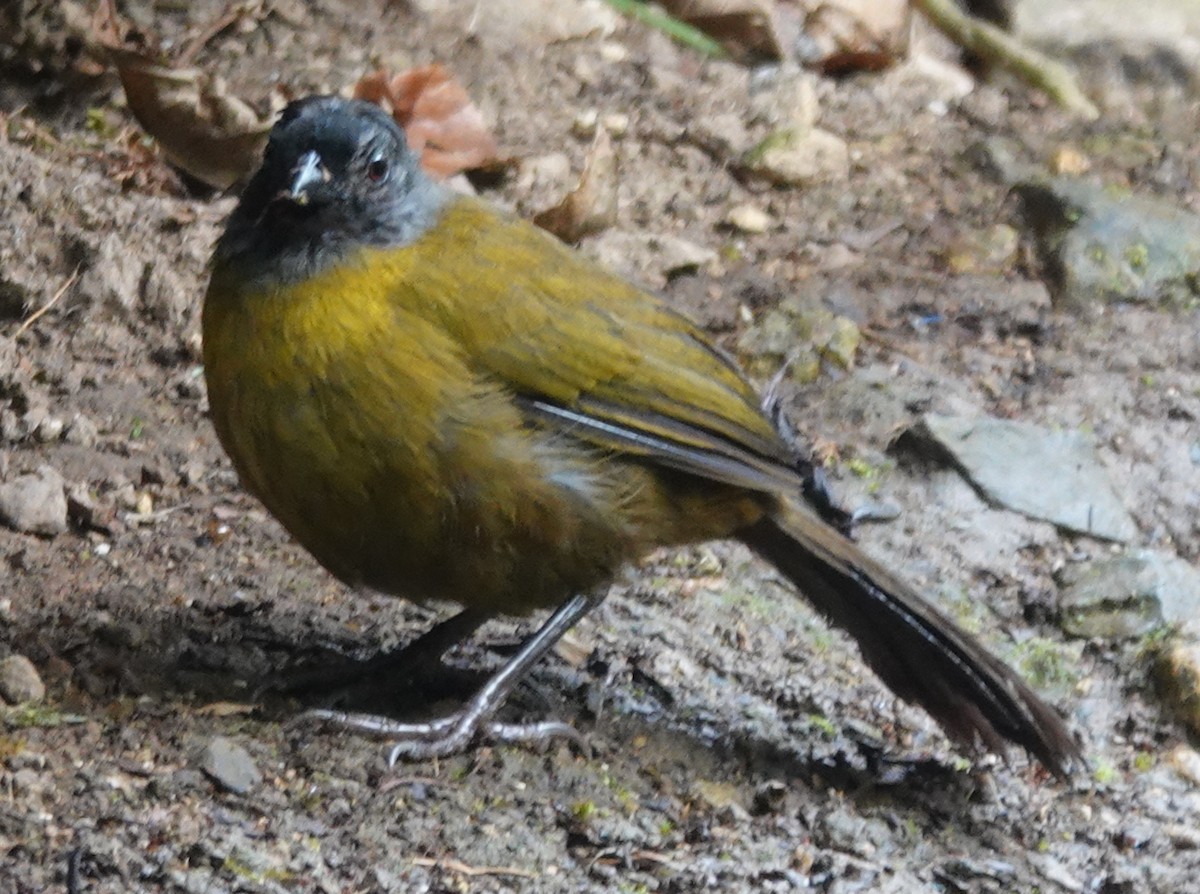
455 732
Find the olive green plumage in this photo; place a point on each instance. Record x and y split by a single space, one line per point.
438 400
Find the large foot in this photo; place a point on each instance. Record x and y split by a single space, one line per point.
452 734
456 732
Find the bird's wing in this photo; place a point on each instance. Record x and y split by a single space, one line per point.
585 351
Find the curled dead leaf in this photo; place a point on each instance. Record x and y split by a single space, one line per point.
592 205
201 128
442 123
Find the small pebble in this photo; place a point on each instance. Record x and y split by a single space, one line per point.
49 430
613 52
35 503
748 219
800 157
617 123
585 122
19 681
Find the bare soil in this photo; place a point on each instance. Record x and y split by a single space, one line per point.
738 745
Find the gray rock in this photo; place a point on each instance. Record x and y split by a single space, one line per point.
230 765
82 431
1129 595
35 503
1053 476
748 219
784 96
799 157
668 254
1095 246
49 429
85 512
723 134
20 681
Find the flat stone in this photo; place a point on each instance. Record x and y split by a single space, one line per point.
230 765
81 430
1095 245
1052 476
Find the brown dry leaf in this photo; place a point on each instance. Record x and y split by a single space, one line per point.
592 205
441 122
856 35
747 29
201 128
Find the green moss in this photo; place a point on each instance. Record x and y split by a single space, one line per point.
1137 256
242 869
584 811
1043 662
1105 773
823 724
780 139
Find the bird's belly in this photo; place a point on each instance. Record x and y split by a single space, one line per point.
501 521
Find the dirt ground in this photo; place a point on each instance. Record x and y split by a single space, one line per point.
738 744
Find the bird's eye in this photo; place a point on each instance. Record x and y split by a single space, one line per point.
377 169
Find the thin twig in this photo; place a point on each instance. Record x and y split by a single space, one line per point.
33 317
995 45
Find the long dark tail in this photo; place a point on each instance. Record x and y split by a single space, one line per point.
921 654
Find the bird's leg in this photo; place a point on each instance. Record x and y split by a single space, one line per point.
454 732
427 647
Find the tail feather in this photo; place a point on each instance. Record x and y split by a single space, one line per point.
921 654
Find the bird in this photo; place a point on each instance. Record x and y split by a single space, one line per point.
440 401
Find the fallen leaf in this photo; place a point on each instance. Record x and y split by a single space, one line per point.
843 36
745 28
592 205
441 122
201 128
